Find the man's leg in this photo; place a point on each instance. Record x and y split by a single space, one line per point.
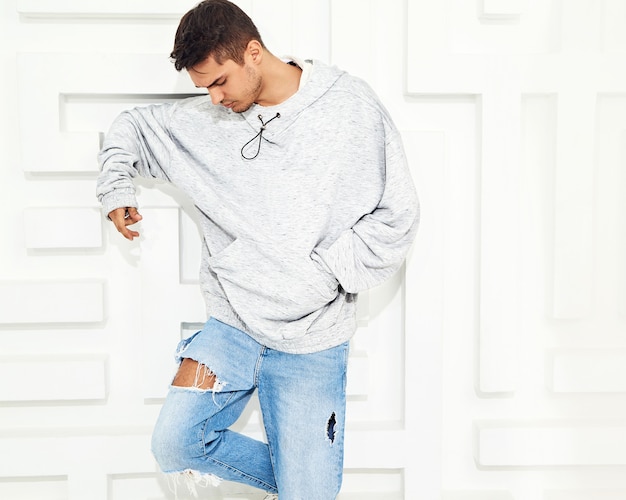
303 399
214 382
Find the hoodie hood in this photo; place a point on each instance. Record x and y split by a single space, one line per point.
321 80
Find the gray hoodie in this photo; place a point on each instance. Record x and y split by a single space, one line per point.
325 210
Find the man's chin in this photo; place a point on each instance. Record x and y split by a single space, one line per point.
238 108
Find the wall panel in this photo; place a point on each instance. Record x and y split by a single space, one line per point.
51 302
53 379
547 342
47 228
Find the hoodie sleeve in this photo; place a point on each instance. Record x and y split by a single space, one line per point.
372 250
137 144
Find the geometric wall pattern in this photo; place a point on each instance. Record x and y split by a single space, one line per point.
540 412
492 367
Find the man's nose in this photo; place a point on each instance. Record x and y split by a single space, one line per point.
216 96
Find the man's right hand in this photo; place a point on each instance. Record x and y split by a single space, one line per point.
123 217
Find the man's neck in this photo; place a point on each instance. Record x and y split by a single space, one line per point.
280 81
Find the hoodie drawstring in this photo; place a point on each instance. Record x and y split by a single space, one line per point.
259 136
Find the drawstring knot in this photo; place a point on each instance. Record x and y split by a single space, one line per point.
259 136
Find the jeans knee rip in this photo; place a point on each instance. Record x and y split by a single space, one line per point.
204 373
192 479
201 381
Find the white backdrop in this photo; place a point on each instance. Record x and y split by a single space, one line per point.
493 367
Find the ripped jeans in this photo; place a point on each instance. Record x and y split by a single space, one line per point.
302 398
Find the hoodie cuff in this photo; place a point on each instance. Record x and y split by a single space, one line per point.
113 201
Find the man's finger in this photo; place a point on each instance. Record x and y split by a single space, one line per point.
122 217
132 215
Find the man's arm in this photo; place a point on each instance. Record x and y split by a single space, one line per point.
136 144
372 250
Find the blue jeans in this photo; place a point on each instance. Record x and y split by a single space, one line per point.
302 398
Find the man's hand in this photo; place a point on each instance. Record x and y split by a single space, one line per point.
123 217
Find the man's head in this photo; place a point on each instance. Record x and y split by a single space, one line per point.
216 28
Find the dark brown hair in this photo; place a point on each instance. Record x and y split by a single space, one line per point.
215 28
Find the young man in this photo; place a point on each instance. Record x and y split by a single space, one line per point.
304 200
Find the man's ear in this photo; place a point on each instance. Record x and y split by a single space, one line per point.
254 51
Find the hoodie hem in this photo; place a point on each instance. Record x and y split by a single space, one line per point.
310 342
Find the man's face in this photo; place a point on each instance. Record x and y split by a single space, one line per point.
233 86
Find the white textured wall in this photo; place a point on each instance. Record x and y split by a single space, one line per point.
492 368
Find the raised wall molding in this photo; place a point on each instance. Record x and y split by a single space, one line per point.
51 302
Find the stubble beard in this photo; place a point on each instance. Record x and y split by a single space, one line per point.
249 99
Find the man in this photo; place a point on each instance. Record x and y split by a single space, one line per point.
304 200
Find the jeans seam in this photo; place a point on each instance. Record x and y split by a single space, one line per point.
257 367
202 437
241 473
257 370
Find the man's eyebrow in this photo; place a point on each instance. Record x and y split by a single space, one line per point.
211 85
208 86
215 81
